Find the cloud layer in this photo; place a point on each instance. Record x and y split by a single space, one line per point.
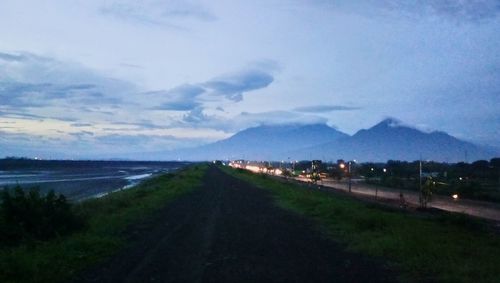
325 108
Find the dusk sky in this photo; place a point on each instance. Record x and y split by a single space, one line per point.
91 79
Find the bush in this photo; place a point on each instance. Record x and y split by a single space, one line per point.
28 216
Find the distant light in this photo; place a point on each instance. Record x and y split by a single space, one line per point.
342 165
385 170
460 178
455 196
371 169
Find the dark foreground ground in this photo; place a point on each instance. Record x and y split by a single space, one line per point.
230 231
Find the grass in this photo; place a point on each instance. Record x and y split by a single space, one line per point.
423 248
59 259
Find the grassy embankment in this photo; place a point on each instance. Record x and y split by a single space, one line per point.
58 259
424 248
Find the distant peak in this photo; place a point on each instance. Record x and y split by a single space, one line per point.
391 123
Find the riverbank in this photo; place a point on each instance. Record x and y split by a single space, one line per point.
59 259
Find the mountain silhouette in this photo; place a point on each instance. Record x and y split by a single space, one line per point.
267 142
389 139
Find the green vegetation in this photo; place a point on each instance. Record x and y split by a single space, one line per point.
28 216
57 259
477 180
423 247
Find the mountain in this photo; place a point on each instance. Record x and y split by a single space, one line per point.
390 139
269 142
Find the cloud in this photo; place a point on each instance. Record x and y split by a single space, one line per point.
43 94
29 80
455 10
16 114
278 118
78 125
145 124
233 86
181 98
324 108
197 118
10 57
82 134
189 97
169 13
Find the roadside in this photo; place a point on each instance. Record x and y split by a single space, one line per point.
426 247
482 209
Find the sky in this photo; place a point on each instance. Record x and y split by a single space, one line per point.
106 79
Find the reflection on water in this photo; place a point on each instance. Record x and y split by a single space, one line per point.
80 179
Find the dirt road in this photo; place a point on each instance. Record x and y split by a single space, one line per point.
230 231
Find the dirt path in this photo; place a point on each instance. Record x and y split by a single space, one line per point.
230 231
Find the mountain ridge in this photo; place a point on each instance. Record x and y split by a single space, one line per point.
388 139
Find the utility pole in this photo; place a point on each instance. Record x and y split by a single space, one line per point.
421 200
349 172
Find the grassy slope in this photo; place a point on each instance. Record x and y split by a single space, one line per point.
447 248
58 259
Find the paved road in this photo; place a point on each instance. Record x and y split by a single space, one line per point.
481 209
230 231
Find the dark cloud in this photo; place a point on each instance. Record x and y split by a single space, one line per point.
11 57
28 80
324 108
187 97
181 98
233 86
15 114
196 116
18 94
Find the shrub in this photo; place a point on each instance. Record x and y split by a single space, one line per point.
28 216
